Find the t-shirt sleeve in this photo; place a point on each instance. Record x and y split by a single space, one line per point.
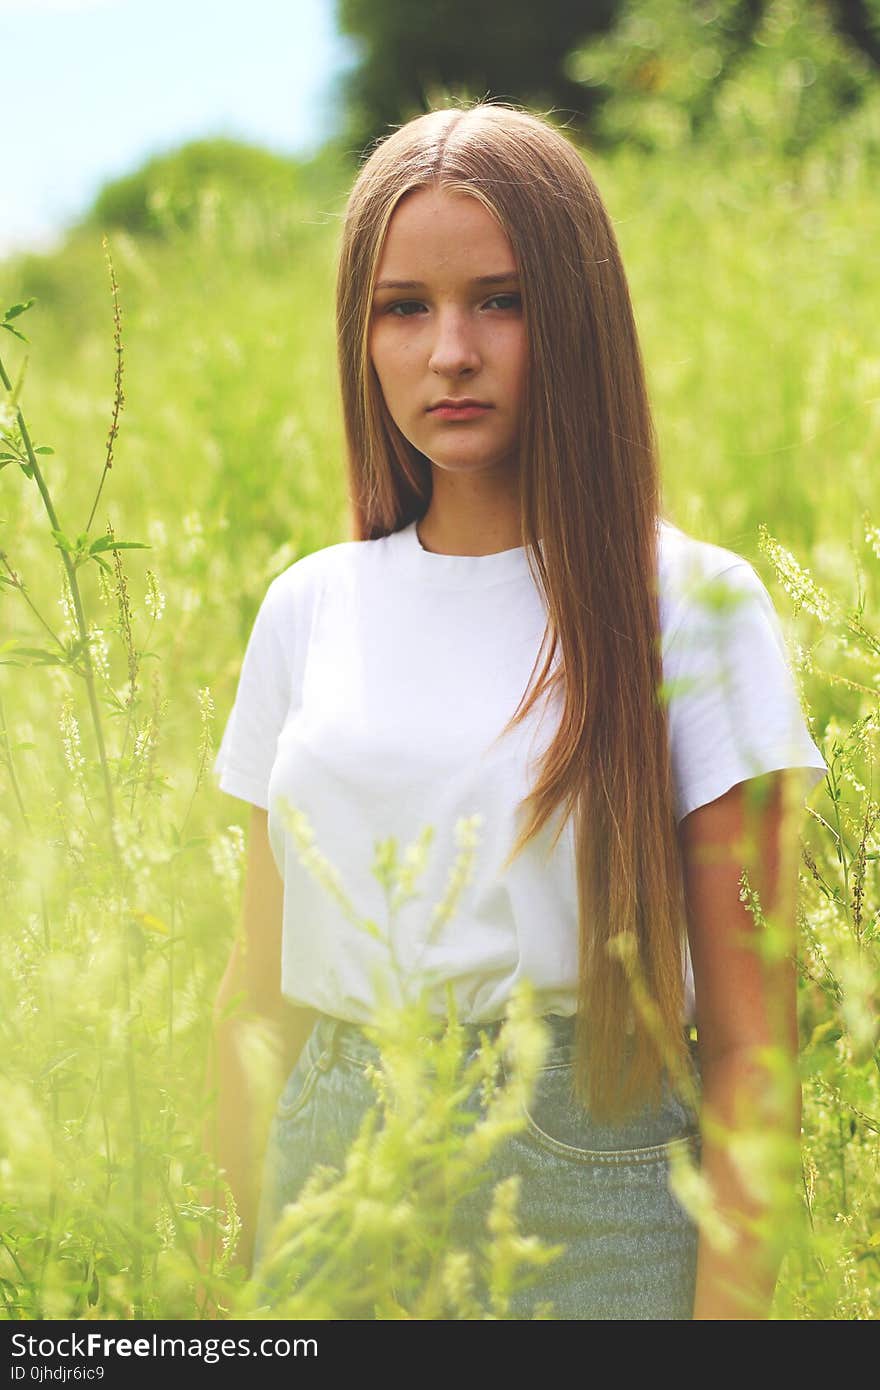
733 704
262 700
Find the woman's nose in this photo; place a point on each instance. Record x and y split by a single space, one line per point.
454 346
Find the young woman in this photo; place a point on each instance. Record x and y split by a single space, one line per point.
506 503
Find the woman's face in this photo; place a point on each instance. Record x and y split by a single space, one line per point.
446 335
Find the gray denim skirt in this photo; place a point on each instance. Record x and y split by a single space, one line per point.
600 1190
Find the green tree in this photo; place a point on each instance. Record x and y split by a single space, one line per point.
413 54
645 72
168 190
775 74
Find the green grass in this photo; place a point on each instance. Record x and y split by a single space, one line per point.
754 290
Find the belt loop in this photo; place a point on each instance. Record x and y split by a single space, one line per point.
328 1054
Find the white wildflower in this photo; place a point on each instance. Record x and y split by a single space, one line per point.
311 858
414 861
797 581
227 856
458 1277
131 845
505 1199
105 588
803 657
467 839
70 737
165 1230
206 716
99 652
65 603
154 599
143 743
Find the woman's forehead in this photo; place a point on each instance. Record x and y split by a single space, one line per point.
433 231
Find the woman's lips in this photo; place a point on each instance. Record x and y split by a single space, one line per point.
459 412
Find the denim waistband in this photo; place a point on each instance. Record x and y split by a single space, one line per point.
340 1037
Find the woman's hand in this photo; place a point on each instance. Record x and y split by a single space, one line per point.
745 984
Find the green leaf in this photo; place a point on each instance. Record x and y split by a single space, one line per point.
41 657
75 648
828 1031
373 929
53 1066
10 329
16 309
150 922
105 543
62 541
44 449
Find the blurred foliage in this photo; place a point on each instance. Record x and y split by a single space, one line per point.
415 54
170 190
649 72
775 74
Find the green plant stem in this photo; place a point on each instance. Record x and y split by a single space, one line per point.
80 621
842 846
118 397
29 601
53 1092
10 763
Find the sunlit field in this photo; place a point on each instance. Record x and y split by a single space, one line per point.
211 346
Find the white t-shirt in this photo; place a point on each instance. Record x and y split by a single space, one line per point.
377 676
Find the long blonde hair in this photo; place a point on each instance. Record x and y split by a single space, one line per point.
590 491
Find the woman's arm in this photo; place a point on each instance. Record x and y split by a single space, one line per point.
745 1002
257 1035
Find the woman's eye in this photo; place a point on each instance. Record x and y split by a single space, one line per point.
416 304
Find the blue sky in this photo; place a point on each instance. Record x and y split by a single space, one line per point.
92 88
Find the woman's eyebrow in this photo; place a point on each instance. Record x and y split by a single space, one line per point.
501 277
